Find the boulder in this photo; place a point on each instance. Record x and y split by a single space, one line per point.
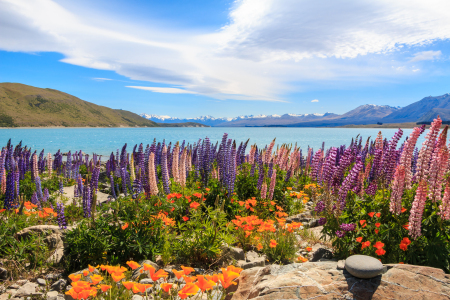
323 280
28 289
3 274
42 229
59 285
41 282
363 266
233 252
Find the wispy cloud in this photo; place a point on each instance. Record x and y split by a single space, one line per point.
315 100
426 55
101 79
269 48
162 90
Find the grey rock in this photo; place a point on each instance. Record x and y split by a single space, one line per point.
48 229
59 285
137 273
363 266
341 264
41 281
199 271
53 276
22 281
28 289
52 295
137 297
248 265
233 252
253 256
53 240
57 255
14 286
146 281
3 274
321 253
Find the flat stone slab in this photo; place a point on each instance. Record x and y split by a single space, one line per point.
363 266
323 280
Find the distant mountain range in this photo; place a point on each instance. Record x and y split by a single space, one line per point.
423 111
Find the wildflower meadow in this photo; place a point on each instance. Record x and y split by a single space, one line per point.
184 204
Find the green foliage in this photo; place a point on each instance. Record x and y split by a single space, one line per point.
201 237
108 241
432 248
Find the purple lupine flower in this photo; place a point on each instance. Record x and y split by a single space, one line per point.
46 195
61 218
39 188
34 199
269 172
320 206
94 179
349 182
87 201
69 165
123 175
322 221
340 234
348 227
164 171
61 187
329 166
113 192
206 161
232 170
9 197
372 188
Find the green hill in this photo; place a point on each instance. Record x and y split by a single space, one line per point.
27 106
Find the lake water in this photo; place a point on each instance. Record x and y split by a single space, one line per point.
105 140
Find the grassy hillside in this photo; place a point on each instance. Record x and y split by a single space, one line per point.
27 106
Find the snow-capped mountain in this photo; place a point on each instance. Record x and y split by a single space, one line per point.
244 120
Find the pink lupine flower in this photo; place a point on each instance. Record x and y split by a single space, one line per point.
182 168
397 190
379 141
151 175
273 181
176 154
49 165
444 208
264 191
269 152
426 151
415 218
407 154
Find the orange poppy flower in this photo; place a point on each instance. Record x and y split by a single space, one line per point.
74 277
166 287
96 279
125 226
213 277
178 274
308 249
185 219
91 268
117 276
302 259
259 247
85 273
273 244
403 210
401 263
188 279
187 270
128 284
104 287
159 274
204 284
133 265
359 239
189 289
2 210
406 226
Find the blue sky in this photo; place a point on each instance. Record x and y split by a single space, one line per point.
229 58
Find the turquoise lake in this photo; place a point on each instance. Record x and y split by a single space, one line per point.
105 140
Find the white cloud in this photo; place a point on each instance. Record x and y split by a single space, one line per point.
416 70
315 100
162 90
101 79
270 47
426 55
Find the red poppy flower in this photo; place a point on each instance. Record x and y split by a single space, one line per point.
371 214
365 245
404 247
377 225
380 252
403 209
378 245
376 231
359 239
378 215
185 219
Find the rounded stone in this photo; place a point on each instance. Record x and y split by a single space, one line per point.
363 266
